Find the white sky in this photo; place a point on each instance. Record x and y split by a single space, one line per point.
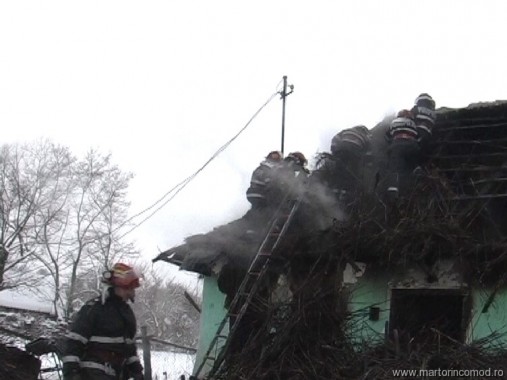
163 84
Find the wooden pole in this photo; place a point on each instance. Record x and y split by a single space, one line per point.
146 353
192 301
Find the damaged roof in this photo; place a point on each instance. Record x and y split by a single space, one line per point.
469 151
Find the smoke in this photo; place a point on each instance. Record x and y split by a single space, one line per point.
236 243
325 206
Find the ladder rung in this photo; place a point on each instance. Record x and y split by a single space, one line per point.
247 287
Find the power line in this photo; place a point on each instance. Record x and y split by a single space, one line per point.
181 185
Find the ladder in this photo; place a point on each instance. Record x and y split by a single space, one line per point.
248 287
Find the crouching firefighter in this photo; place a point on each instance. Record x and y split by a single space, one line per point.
260 193
424 118
350 149
101 342
404 153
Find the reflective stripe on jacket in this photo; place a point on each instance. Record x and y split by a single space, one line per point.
403 128
261 177
357 137
98 329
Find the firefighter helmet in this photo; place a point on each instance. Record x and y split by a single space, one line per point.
298 157
275 155
406 114
361 129
425 100
122 275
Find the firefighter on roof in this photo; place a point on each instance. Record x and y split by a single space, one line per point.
351 142
292 176
404 152
424 118
345 166
101 342
261 183
296 162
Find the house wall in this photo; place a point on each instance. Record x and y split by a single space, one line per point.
374 290
494 320
212 314
367 292
370 290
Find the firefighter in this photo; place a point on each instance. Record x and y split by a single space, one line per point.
424 118
348 154
260 191
353 141
296 162
292 176
403 152
100 344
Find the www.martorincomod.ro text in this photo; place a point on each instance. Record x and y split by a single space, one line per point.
425 373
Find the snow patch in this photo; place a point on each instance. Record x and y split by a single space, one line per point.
18 300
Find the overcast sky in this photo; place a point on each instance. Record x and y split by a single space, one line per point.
163 84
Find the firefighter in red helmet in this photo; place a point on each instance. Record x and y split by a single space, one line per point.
292 175
298 161
100 344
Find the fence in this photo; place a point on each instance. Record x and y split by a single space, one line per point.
181 363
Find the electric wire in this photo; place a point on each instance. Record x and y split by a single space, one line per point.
181 185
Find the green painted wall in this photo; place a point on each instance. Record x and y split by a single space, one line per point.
369 292
365 294
494 320
212 314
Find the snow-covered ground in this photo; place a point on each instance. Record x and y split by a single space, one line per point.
164 365
171 363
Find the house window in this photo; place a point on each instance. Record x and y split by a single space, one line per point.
417 314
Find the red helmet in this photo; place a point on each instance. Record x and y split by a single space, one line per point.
298 157
275 155
123 276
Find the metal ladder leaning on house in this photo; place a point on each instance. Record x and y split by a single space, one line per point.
246 291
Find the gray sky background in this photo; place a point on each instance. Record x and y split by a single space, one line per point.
163 84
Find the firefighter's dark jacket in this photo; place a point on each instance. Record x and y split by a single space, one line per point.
102 335
260 184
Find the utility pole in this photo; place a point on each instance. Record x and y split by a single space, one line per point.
284 94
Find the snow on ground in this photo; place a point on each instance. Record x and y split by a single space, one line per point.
172 363
164 365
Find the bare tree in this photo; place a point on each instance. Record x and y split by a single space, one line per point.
162 306
98 208
59 217
31 178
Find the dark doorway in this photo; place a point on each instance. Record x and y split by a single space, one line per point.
418 313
